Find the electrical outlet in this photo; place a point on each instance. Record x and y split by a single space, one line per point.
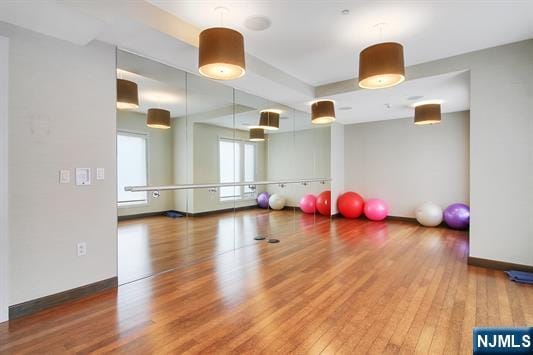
82 249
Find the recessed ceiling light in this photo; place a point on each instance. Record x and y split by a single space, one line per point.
345 108
345 12
415 97
257 23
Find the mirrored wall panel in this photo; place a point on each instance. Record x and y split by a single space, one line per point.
214 170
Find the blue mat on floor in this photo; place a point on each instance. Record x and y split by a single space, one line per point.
520 276
173 214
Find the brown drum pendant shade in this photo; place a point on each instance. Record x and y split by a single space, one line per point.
323 111
427 114
221 54
381 66
158 118
127 94
257 135
269 120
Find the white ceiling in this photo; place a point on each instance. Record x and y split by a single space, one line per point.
309 43
313 41
397 102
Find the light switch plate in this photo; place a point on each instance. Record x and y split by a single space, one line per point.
100 173
83 176
64 176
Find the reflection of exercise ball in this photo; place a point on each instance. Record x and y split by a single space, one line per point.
262 199
457 216
323 204
376 209
350 205
308 203
277 202
429 214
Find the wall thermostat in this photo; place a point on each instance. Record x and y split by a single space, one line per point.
83 176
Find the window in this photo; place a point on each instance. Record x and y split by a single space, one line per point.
132 167
236 164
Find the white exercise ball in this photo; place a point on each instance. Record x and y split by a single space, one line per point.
429 214
276 202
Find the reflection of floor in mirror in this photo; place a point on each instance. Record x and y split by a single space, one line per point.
349 286
151 245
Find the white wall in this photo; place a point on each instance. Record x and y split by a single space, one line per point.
4 243
299 154
61 116
501 148
406 164
337 164
160 161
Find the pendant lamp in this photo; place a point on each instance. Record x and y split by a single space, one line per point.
158 118
323 111
269 120
427 114
381 66
127 94
221 54
257 134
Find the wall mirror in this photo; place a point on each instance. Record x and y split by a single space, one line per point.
230 167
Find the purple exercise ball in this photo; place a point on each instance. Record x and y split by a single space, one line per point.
457 216
262 199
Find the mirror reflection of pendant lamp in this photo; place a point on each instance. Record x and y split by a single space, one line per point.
158 118
257 134
127 94
269 120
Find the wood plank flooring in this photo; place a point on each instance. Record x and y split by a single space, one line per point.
349 286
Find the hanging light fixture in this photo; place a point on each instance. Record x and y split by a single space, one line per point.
427 114
323 111
269 120
257 134
381 66
127 94
221 52
158 118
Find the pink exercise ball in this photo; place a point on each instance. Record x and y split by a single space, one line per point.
323 204
308 203
376 209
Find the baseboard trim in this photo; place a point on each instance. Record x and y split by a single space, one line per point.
141 215
402 219
42 303
498 265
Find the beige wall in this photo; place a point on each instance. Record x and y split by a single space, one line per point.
406 164
160 161
337 164
61 116
299 154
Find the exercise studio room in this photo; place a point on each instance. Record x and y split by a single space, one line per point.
266 177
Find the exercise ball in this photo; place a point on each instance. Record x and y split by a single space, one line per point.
323 203
262 199
429 214
277 202
376 209
457 216
350 205
308 203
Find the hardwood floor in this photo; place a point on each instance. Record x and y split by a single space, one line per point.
349 286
